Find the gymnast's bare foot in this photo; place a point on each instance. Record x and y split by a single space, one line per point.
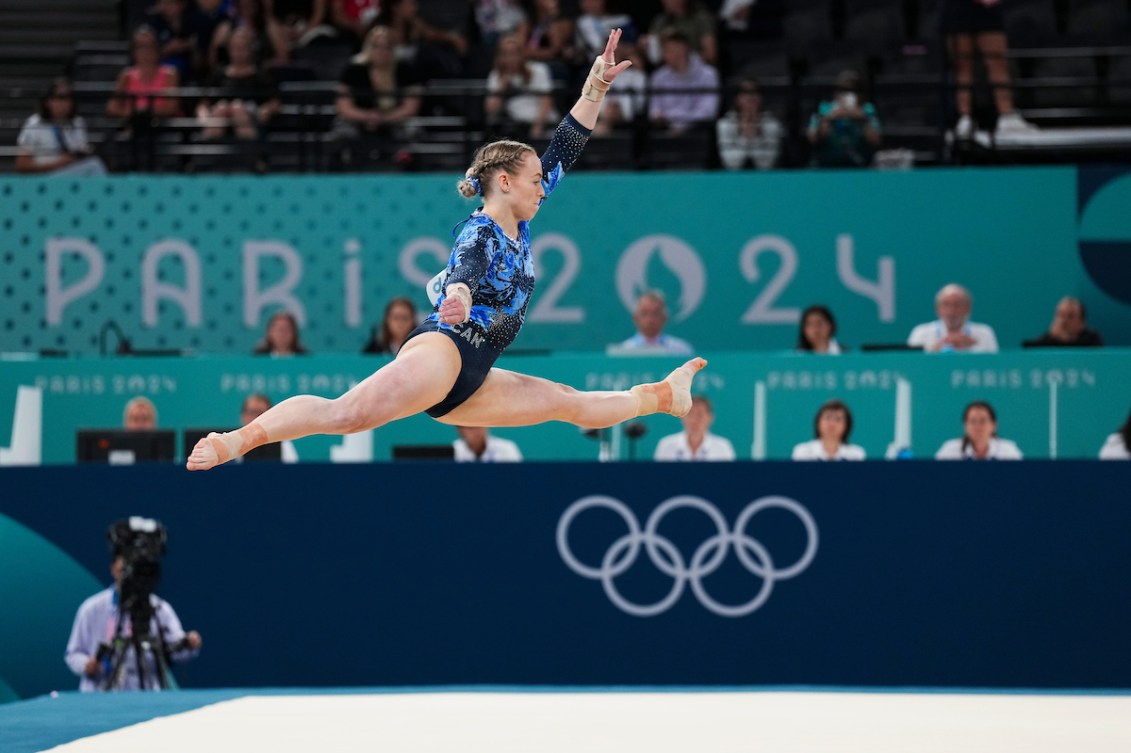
208 453
680 381
673 395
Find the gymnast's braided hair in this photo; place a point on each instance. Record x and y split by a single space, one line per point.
490 160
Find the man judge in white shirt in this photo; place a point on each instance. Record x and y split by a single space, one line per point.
476 445
695 442
953 330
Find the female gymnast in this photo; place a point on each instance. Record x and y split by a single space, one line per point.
446 366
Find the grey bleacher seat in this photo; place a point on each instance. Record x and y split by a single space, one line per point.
689 150
1099 22
611 151
807 24
925 16
1031 23
875 26
1119 80
914 59
1064 82
758 58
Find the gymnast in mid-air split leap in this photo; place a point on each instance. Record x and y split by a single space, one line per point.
445 368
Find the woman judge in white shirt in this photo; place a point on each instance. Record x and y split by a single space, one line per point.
1118 445
695 442
980 440
832 428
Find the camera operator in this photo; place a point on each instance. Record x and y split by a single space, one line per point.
101 650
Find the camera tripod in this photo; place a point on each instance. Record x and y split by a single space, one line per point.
150 654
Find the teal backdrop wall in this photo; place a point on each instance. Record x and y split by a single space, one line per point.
1053 403
200 263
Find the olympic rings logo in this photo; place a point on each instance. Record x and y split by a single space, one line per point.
666 557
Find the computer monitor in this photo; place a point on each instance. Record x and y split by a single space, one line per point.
890 347
423 452
121 447
272 451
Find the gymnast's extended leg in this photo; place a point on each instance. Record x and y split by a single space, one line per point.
421 376
510 399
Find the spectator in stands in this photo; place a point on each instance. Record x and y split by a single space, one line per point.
137 97
550 38
54 140
140 415
749 136
282 337
628 104
690 20
476 445
817 333
593 27
399 320
519 101
1118 445
1069 328
207 18
270 46
978 25
376 96
832 428
980 440
685 89
297 23
496 19
244 98
953 330
176 35
96 624
845 131
254 406
695 442
431 52
650 316
353 18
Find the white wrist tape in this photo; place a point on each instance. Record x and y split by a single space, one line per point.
462 293
595 84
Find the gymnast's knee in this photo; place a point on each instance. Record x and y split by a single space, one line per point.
349 416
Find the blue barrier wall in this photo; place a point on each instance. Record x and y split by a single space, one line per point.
931 574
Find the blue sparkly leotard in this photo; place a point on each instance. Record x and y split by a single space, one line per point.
499 271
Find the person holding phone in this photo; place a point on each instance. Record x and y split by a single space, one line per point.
845 131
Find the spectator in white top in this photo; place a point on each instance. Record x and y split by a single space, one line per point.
650 316
695 442
1118 445
519 92
980 440
817 333
831 428
953 330
748 135
54 140
476 445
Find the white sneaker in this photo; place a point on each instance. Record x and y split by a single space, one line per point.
964 129
1013 123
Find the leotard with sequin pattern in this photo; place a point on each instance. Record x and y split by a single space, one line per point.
499 271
